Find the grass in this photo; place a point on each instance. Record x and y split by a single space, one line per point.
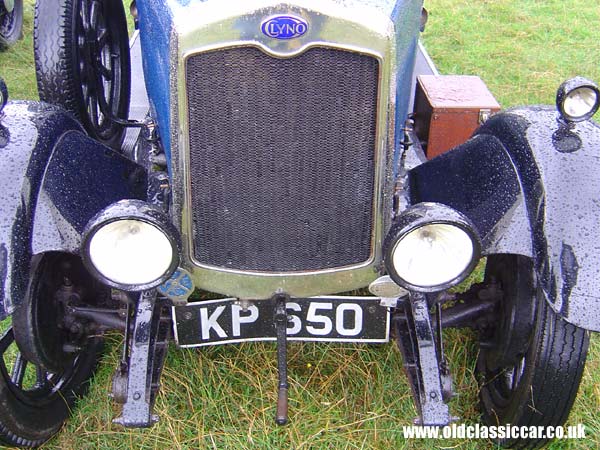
350 397
17 67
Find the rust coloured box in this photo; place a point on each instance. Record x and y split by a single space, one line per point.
449 108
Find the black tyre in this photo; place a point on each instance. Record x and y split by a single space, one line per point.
11 23
81 50
35 400
532 381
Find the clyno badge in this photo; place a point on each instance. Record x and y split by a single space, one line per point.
284 27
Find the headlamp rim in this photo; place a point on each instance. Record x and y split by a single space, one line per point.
568 87
131 210
418 216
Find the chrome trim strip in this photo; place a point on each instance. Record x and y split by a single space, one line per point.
208 26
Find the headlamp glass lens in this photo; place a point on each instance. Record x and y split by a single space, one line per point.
580 102
130 252
433 255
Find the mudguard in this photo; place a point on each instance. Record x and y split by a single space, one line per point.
531 186
55 178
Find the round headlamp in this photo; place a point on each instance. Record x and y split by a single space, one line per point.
131 245
431 247
577 99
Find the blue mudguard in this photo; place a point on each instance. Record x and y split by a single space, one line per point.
531 186
54 179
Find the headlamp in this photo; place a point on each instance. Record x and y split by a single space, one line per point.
430 248
131 245
577 99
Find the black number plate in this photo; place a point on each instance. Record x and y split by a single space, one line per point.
326 319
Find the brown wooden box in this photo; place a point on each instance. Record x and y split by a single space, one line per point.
449 108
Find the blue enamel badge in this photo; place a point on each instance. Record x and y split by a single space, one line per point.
179 287
284 27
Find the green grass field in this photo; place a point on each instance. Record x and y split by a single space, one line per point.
350 397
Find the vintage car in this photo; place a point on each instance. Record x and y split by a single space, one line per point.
11 22
278 155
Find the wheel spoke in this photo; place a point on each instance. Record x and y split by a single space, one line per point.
18 371
102 37
105 71
93 110
7 339
5 342
517 373
41 377
514 382
95 11
83 13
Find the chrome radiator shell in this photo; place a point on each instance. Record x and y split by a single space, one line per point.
366 28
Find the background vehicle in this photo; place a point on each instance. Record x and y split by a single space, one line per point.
11 22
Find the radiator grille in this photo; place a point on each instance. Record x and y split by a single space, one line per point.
282 158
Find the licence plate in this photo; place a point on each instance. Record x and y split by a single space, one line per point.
324 319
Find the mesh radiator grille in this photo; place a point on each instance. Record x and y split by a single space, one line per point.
282 158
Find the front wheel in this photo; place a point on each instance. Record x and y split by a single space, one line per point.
532 382
45 364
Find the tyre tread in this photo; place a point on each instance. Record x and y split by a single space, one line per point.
557 358
52 73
